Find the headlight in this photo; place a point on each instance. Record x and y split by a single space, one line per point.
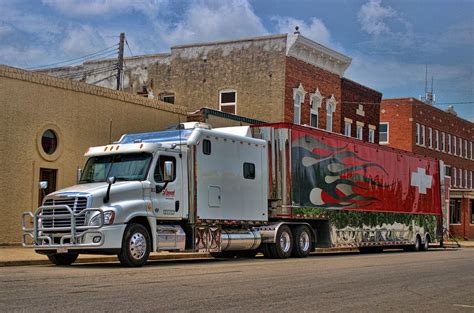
109 217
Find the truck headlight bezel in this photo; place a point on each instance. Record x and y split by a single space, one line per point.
109 217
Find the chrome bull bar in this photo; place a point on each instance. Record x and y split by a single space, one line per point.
70 236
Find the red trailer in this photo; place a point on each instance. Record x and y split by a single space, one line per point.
353 193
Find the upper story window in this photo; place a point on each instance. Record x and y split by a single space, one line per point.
460 147
455 150
465 179
460 178
430 137
383 132
443 142
449 143
465 148
316 100
371 133
228 101
360 130
167 97
454 175
423 142
330 109
417 136
436 140
298 100
470 149
347 127
49 141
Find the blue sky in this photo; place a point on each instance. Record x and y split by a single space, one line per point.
389 41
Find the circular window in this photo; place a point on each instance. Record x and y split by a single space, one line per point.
49 141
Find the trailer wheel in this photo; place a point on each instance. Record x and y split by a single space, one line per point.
426 245
63 258
301 242
135 246
415 247
283 246
224 254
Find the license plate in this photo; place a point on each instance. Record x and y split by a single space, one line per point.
62 250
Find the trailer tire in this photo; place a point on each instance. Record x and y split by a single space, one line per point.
415 247
63 258
224 254
302 241
426 245
136 246
265 249
283 246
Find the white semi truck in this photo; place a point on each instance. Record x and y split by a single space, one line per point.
232 191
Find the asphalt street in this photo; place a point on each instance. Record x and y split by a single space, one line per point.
394 281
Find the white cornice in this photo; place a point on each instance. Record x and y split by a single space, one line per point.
316 54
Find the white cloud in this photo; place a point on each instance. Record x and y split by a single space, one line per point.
315 29
81 41
212 20
5 30
372 17
100 7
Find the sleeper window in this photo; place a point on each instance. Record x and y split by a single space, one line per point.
206 147
249 171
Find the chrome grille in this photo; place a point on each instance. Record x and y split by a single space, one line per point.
77 204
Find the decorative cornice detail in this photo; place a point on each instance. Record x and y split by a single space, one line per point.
316 99
316 54
331 103
300 90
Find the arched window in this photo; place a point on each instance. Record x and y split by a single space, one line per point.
330 109
298 100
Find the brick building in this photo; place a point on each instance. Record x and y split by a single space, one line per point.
415 126
285 77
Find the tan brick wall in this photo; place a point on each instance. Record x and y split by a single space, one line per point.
29 102
255 68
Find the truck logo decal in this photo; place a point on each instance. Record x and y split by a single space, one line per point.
168 193
333 177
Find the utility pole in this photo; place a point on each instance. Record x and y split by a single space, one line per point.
120 62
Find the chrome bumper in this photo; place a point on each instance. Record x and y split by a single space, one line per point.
72 236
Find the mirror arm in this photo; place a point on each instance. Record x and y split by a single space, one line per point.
107 195
159 188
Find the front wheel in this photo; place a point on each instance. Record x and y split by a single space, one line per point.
135 246
63 258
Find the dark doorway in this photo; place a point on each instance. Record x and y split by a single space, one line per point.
49 175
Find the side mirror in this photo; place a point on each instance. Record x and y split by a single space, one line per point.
78 175
111 180
43 185
168 172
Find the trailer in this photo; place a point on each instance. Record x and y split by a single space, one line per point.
279 189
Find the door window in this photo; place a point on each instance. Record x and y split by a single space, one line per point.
160 165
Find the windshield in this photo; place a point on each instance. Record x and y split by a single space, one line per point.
131 166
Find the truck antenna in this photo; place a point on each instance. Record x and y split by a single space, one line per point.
179 133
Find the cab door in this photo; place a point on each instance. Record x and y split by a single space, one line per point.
166 196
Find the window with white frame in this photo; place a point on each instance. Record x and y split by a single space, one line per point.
417 137
465 148
455 150
465 179
347 127
383 132
449 143
460 147
470 148
423 141
454 182
470 180
371 133
460 178
443 142
228 101
430 137
316 100
330 109
298 100
436 138
360 130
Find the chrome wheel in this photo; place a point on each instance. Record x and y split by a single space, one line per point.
285 242
305 241
137 246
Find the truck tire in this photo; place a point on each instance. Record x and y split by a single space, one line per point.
283 246
136 246
302 242
224 254
416 247
426 245
63 258
265 249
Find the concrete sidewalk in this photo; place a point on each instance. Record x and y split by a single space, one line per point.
19 256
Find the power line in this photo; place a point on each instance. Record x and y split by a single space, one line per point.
75 59
101 80
88 72
129 47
